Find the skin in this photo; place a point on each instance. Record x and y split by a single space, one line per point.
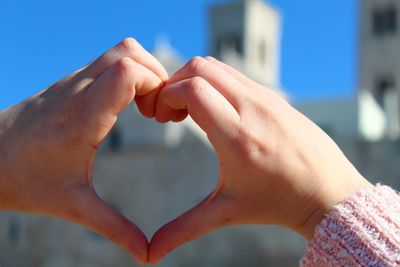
276 166
48 142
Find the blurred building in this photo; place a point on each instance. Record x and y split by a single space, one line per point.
367 126
246 35
152 172
379 70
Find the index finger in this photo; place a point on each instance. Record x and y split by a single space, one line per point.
232 89
129 47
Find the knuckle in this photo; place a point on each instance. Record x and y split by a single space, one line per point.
130 45
196 86
196 82
196 64
124 66
211 59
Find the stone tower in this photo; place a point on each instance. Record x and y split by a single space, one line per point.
379 69
246 35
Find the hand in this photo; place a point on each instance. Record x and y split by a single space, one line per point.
48 142
276 166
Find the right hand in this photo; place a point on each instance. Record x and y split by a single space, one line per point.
276 166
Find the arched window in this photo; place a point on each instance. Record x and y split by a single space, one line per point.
230 42
262 52
392 20
382 89
385 20
115 139
387 97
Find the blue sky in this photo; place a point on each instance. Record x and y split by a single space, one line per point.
43 40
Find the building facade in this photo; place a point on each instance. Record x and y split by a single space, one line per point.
366 126
379 69
247 35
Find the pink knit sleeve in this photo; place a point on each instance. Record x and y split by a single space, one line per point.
362 230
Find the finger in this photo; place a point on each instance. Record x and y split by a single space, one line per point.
232 71
167 113
147 106
129 47
206 217
99 217
164 112
221 80
179 115
147 103
206 105
113 91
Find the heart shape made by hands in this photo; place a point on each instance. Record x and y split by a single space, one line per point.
266 150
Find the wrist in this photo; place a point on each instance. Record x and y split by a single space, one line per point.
326 200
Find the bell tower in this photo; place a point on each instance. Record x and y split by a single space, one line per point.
246 35
379 69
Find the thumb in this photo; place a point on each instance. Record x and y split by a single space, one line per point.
207 216
113 91
96 215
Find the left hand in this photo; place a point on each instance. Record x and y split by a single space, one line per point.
48 142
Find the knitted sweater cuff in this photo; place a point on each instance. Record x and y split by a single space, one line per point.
362 230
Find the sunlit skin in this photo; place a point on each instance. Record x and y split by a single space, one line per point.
276 166
48 142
